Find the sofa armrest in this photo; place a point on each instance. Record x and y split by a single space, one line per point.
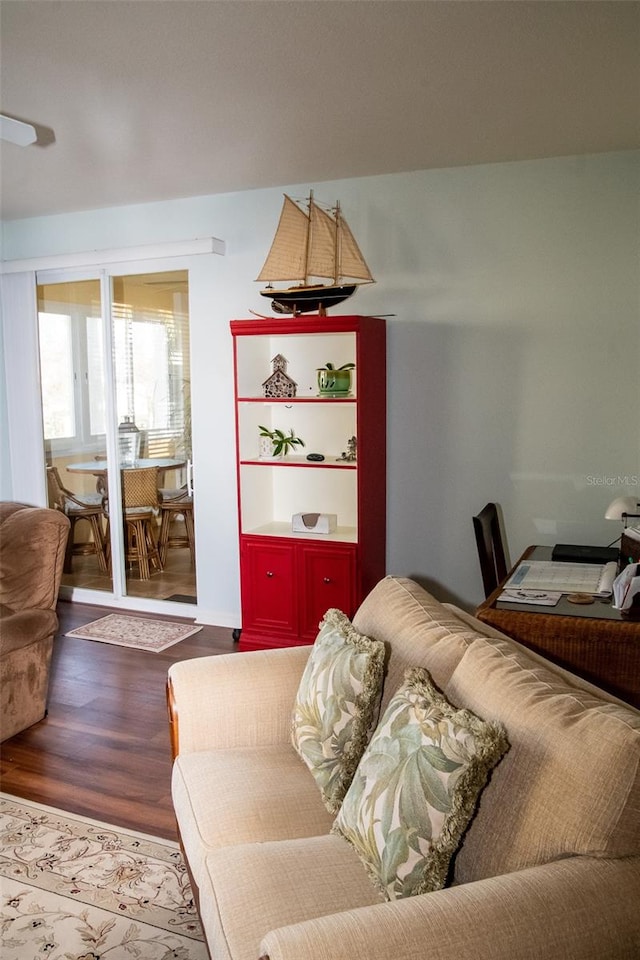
574 909
21 627
234 700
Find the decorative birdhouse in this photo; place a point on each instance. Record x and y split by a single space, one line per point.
279 384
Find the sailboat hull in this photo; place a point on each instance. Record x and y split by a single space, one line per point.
314 299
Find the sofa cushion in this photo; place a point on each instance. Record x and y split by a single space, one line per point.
416 629
32 545
226 797
416 788
570 783
251 889
337 704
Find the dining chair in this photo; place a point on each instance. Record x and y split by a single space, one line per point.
491 552
140 511
176 505
77 507
141 507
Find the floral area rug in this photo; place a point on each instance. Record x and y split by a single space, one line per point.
75 889
153 635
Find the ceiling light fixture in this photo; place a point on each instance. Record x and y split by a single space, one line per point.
16 131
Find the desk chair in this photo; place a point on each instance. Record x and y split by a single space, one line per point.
493 565
77 507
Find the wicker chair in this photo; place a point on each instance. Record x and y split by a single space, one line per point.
173 505
140 509
77 507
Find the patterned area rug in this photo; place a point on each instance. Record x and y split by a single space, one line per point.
75 889
153 635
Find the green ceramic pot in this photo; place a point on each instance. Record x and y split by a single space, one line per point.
334 383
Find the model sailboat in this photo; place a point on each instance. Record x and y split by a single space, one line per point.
312 243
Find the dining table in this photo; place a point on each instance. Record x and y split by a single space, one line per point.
99 468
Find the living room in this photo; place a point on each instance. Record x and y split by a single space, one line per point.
487 158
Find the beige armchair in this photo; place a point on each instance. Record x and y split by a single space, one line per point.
32 551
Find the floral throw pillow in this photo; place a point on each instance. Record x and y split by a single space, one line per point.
416 788
337 704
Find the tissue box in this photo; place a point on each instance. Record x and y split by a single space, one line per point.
314 522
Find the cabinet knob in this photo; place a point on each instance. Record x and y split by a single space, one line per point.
269 573
326 579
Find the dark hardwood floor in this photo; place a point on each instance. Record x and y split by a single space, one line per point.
103 749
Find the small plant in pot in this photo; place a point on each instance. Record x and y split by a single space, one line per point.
276 443
335 381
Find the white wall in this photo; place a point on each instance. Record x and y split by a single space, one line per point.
514 349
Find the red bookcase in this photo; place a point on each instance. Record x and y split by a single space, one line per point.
289 580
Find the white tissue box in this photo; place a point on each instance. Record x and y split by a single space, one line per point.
314 522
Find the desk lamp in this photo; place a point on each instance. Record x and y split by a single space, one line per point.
622 508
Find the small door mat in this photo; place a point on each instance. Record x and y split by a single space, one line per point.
182 598
137 632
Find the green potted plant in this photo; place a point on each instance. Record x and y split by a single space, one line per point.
335 381
275 443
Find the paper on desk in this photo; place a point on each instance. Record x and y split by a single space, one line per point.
539 598
626 587
557 576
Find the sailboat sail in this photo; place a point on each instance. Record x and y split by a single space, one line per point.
287 257
322 243
352 263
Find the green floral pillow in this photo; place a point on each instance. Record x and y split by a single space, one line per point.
416 788
337 704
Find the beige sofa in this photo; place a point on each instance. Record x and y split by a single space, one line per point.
32 550
548 868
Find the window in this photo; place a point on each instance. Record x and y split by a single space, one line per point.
71 364
58 379
151 361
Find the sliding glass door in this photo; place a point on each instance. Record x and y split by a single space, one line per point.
73 384
150 335
115 376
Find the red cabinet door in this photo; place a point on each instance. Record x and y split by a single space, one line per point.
328 576
268 587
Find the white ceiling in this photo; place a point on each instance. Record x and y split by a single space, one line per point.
151 99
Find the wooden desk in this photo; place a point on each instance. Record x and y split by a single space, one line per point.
595 641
